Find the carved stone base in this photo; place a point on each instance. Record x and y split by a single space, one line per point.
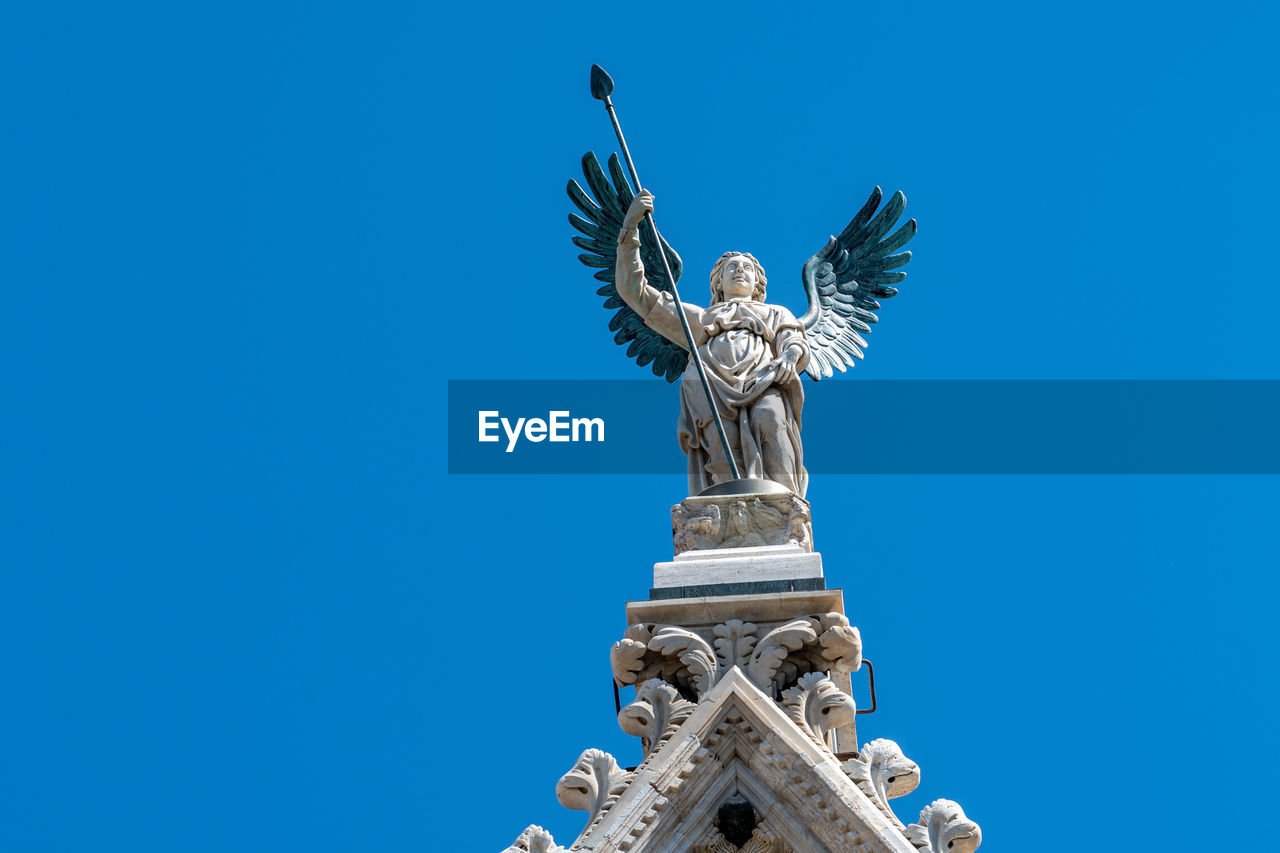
761 614
740 521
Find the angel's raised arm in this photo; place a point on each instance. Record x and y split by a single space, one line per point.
656 308
600 227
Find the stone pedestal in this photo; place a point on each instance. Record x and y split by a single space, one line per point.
743 559
737 545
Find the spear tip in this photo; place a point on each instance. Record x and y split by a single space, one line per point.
601 83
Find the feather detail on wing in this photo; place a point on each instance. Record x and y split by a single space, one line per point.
845 279
600 227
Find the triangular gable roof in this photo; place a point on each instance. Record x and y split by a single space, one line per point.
739 740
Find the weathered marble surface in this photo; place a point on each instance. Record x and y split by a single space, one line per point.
700 613
738 565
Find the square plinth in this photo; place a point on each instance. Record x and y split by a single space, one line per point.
706 611
761 564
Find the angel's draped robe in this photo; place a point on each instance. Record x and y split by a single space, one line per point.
738 342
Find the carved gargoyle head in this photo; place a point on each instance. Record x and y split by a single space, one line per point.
946 829
892 773
818 704
534 839
655 712
586 786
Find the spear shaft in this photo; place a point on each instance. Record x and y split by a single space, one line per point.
601 88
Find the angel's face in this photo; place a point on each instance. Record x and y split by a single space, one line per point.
738 278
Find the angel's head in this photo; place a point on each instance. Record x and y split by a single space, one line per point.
737 275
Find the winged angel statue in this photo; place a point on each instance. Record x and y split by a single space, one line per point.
752 352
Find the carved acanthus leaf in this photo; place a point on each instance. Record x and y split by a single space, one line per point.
943 828
594 784
627 655
655 714
761 841
735 640
687 660
534 839
882 772
717 844
765 663
817 706
692 651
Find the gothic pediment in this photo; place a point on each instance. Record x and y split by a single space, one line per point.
738 741
738 723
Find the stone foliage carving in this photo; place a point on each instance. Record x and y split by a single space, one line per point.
882 772
817 705
773 659
626 658
703 523
655 714
943 828
759 842
534 839
593 784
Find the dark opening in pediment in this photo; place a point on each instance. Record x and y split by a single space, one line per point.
737 819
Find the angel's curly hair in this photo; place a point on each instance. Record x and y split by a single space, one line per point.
717 294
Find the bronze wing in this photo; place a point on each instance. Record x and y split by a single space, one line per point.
600 227
845 279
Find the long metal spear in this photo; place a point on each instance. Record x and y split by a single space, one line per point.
601 89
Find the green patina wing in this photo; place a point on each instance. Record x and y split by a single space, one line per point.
601 225
845 279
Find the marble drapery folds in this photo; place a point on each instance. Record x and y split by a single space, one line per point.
740 342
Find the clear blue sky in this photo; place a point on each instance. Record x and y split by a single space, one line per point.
245 245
